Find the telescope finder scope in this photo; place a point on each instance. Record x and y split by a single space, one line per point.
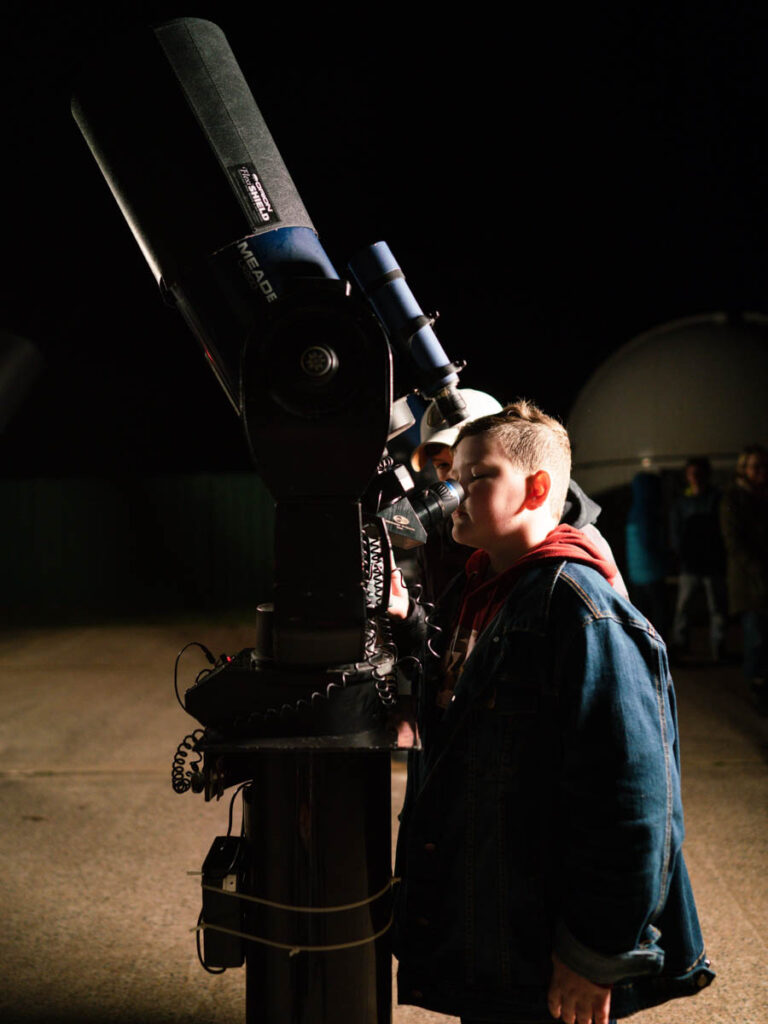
378 275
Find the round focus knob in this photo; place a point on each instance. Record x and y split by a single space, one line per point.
319 361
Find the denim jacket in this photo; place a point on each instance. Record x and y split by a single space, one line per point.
544 813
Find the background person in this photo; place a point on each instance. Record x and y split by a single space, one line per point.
647 550
697 541
744 520
441 558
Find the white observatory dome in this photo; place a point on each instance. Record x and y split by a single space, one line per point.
696 386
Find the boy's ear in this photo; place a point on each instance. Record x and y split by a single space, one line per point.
537 489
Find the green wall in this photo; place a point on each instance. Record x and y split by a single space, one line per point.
138 545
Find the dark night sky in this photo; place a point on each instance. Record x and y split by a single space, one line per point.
551 187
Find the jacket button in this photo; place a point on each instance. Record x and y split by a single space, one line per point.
703 980
417 994
422 922
430 847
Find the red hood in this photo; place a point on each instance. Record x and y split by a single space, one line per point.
563 542
484 597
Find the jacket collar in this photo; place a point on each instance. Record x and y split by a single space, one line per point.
527 607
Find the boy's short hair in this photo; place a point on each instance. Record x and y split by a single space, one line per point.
531 440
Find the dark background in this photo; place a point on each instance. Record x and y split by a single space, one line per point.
552 184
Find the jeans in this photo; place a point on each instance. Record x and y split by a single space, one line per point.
714 591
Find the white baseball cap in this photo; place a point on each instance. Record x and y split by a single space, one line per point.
434 430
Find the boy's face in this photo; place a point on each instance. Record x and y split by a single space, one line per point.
496 492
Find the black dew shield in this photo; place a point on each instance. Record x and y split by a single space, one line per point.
182 144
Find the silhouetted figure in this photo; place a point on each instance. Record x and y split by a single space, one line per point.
744 520
698 543
646 550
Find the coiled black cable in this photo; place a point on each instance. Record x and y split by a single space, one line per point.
184 768
417 593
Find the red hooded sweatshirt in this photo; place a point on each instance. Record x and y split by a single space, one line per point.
483 598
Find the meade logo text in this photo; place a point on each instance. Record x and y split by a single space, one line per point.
253 273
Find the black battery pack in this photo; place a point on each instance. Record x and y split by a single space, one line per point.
221 907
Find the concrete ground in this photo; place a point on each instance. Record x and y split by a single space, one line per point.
99 855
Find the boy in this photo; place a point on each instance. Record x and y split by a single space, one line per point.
539 849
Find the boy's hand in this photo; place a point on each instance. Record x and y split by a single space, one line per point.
399 602
575 1000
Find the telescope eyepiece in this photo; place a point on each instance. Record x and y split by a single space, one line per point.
437 502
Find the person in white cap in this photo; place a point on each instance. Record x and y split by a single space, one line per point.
441 558
437 437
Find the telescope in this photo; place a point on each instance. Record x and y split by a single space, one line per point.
318 367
